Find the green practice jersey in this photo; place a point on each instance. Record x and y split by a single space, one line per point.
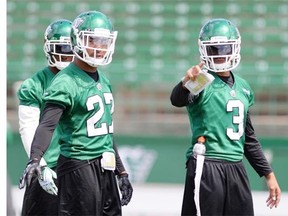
30 93
219 114
86 122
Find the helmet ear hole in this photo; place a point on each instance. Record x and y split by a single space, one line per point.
77 50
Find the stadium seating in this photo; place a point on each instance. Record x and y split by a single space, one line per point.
157 42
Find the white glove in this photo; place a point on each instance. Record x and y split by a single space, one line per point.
46 180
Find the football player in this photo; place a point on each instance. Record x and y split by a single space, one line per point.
80 103
58 50
219 115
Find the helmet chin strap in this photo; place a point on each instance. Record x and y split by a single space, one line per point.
94 63
227 65
61 65
222 67
89 61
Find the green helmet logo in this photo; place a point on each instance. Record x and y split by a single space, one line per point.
219 45
93 38
57 43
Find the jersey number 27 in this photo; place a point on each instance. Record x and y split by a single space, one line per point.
104 128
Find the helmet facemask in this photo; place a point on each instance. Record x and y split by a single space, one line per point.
95 47
59 52
220 54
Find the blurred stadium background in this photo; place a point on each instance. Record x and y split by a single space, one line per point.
157 43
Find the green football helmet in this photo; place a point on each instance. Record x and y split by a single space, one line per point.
57 44
93 38
219 45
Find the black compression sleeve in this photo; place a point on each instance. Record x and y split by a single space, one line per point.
44 132
253 150
119 165
179 96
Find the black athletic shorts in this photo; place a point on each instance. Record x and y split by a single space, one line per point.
87 190
224 189
37 201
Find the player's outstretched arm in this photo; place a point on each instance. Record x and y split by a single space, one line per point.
28 120
193 72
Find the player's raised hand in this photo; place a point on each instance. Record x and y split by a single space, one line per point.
32 170
125 188
193 72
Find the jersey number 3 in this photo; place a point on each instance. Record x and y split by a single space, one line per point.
237 120
92 121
